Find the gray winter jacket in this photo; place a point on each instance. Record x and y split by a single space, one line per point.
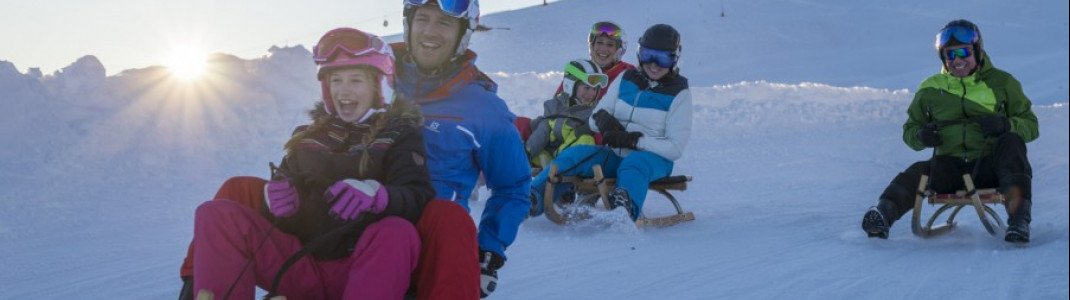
563 124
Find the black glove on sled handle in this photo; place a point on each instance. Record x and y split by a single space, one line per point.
929 135
622 139
994 125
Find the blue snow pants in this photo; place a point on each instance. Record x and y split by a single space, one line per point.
634 172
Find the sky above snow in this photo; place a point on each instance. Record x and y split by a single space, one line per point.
128 34
798 108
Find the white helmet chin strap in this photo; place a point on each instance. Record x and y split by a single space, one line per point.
386 91
371 112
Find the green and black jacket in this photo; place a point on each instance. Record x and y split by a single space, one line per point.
953 102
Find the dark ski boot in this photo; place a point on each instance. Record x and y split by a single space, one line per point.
876 222
1018 220
619 197
187 289
536 205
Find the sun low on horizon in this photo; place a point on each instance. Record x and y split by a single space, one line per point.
187 62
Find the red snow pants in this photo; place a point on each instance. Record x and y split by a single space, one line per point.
237 249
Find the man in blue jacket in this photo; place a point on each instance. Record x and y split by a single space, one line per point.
468 129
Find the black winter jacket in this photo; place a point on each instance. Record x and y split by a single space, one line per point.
388 147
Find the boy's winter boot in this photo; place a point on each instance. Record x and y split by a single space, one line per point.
536 204
568 193
619 197
187 289
489 263
876 222
1018 218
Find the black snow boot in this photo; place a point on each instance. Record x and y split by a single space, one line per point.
187 289
1018 220
568 195
876 221
536 206
619 197
489 263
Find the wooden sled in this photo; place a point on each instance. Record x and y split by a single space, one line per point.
599 187
978 199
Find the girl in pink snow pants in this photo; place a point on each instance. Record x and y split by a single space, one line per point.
341 205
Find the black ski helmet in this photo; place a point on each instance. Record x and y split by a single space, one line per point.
978 46
661 37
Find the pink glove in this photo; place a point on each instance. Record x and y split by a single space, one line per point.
281 197
352 197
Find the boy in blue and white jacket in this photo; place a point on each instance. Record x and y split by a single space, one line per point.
645 121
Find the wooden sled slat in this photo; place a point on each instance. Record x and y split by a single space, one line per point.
978 199
549 209
666 220
600 186
988 196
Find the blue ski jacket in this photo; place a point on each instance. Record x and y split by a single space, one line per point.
469 129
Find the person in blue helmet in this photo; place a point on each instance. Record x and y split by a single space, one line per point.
645 122
977 119
468 129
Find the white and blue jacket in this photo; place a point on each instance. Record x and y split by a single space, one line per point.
661 110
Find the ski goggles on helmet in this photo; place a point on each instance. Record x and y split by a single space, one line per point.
607 28
453 8
345 41
663 58
595 80
964 35
951 54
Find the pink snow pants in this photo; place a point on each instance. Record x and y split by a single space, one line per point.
228 235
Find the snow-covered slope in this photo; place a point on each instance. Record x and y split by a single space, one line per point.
884 44
99 176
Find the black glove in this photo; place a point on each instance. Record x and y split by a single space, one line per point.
929 135
489 263
994 125
606 122
621 139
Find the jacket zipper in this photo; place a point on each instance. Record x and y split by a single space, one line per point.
962 104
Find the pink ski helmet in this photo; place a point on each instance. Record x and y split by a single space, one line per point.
346 48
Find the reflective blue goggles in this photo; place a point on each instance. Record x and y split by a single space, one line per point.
664 59
964 35
959 53
453 8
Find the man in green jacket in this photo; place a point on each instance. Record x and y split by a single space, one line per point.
978 120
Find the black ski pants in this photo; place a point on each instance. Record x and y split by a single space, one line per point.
1007 166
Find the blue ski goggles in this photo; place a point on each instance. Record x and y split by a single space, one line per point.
453 8
964 35
957 53
663 58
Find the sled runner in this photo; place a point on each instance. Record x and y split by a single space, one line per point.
978 199
598 187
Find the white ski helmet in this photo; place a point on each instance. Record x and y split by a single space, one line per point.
466 10
584 71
